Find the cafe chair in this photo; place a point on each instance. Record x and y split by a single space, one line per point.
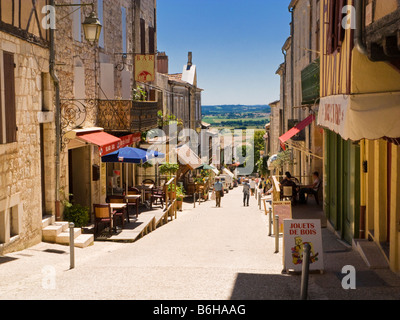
315 194
133 192
157 194
287 193
102 216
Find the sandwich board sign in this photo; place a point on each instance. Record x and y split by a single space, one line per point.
282 209
296 234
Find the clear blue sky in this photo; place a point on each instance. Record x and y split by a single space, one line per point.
236 45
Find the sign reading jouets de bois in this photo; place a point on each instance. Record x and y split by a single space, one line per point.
145 68
298 233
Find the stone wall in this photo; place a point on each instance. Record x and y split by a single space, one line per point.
20 162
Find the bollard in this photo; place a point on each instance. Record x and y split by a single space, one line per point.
259 202
72 245
194 200
270 222
199 198
276 228
305 272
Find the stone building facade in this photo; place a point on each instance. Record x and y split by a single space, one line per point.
97 74
26 127
301 50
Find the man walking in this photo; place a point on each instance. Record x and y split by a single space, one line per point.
246 193
219 189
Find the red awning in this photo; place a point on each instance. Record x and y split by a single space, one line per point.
106 142
130 139
295 130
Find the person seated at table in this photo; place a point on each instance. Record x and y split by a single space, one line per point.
288 182
311 189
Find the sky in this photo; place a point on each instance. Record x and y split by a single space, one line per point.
236 45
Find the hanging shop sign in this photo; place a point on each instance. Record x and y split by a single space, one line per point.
145 68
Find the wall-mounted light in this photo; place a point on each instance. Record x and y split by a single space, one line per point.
92 27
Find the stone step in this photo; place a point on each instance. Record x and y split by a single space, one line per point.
63 237
50 233
84 240
48 221
65 225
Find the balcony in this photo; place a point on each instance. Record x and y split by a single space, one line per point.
127 116
310 83
381 34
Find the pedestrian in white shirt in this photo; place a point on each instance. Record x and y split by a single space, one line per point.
252 186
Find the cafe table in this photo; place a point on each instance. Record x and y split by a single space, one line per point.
119 206
136 198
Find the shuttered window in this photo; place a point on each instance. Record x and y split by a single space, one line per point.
143 36
336 31
151 41
10 120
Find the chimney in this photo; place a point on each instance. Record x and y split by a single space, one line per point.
190 58
162 63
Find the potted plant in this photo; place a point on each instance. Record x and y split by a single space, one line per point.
170 169
180 194
77 214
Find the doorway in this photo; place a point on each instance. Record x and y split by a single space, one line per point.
79 176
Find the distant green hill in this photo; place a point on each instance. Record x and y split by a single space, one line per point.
224 109
237 116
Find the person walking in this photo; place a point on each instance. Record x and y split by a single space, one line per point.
246 193
252 186
218 189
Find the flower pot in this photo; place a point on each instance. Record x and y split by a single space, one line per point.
172 195
179 204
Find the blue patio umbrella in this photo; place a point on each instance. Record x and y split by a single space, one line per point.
131 155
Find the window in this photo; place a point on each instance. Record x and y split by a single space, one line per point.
124 40
8 119
335 32
76 24
143 36
151 41
100 13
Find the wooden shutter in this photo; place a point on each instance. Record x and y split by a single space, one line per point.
331 29
143 36
339 26
9 101
152 49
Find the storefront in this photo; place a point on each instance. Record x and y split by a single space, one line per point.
362 168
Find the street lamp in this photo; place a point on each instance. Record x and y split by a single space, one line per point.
92 28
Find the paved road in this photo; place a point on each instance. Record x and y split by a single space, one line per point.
208 253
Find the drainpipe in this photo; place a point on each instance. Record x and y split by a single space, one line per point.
56 82
291 9
283 93
358 33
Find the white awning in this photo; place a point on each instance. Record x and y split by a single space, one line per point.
226 171
364 116
187 156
